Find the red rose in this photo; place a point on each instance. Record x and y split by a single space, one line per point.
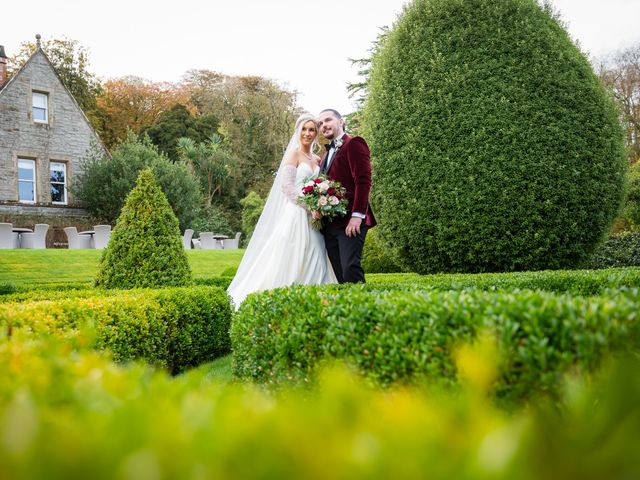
331 191
318 180
306 190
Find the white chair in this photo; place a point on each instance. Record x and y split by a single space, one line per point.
186 238
8 238
232 243
196 244
37 239
207 242
77 241
101 235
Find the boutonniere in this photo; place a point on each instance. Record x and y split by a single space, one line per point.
338 143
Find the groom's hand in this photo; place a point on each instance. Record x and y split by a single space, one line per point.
353 227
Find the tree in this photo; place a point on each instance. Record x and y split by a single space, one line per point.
106 181
210 162
133 103
145 249
256 120
252 206
178 122
621 74
71 62
631 211
494 145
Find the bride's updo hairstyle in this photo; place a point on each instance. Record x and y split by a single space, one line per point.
302 119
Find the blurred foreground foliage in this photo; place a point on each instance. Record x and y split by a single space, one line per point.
78 415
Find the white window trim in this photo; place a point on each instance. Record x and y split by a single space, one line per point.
35 183
64 184
46 108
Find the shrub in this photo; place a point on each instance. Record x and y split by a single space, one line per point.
631 211
78 416
494 146
622 250
106 181
211 219
145 249
252 206
172 328
577 282
374 256
405 336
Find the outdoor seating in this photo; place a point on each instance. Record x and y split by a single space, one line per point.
186 238
196 244
232 243
207 242
77 241
101 236
8 238
36 239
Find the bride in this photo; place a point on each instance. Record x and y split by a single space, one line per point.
284 249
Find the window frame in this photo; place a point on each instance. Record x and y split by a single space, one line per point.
34 107
64 183
34 181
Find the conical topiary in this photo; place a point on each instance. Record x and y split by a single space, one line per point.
145 249
494 146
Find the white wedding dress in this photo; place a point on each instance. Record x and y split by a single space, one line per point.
292 254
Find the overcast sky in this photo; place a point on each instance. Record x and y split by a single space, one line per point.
304 46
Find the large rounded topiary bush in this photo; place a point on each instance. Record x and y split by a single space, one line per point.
494 146
145 249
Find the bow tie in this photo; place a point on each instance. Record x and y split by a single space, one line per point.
329 146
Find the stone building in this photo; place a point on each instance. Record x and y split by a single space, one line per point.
44 135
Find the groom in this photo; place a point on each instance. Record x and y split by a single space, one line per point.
347 161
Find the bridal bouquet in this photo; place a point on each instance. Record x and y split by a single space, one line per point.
324 198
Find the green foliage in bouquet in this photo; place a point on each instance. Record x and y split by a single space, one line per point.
494 146
145 249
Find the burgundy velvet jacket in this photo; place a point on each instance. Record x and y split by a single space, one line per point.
351 166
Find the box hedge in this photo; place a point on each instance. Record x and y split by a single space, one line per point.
409 335
174 328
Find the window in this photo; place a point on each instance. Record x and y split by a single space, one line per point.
26 180
40 107
58 176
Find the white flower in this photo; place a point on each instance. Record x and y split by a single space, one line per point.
333 200
322 201
338 143
323 186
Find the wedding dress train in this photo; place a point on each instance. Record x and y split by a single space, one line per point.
292 254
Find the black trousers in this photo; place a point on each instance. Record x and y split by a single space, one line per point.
345 252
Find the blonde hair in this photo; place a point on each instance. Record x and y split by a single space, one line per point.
300 122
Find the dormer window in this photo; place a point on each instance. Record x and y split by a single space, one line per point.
40 108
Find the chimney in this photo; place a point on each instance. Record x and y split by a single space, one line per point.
3 65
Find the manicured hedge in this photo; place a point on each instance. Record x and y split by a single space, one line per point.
404 336
174 328
580 282
494 145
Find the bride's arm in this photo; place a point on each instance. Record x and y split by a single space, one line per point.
289 181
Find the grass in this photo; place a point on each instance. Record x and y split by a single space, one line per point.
51 266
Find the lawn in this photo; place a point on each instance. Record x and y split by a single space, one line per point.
44 267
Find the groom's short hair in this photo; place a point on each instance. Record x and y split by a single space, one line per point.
335 113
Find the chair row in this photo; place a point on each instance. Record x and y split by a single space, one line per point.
96 238
210 241
14 237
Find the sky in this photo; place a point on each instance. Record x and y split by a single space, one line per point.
303 46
